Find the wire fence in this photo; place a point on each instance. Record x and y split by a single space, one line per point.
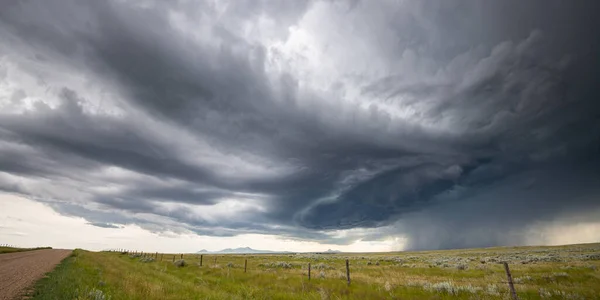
308 267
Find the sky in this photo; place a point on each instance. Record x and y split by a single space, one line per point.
299 125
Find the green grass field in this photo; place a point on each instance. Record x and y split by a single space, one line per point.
564 272
13 249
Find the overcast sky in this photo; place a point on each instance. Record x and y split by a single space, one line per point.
299 125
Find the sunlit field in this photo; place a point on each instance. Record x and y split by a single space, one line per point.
564 272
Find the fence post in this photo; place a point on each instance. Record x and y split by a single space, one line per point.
309 271
201 260
513 293
245 264
215 261
348 271
156 256
181 255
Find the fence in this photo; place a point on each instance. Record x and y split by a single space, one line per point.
510 282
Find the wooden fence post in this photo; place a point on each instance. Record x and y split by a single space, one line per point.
348 271
309 271
245 264
156 256
513 293
181 255
201 260
215 261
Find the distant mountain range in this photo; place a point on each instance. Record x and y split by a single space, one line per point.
332 251
248 250
241 250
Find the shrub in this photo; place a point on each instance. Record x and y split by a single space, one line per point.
522 279
322 266
442 287
449 288
387 286
323 293
180 263
593 256
492 289
94 294
278 264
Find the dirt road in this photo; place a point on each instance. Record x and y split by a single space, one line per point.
20 270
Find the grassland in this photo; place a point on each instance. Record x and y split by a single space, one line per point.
14 249
565 272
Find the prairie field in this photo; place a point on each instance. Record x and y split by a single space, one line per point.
560 272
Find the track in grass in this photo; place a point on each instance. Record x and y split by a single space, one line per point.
19 270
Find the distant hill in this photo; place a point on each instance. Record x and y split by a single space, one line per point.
248 250
241 250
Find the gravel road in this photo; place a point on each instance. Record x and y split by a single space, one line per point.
19 271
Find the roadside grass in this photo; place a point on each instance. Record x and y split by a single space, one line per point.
571 272
13 249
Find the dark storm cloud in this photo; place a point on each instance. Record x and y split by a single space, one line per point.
463 102
104 225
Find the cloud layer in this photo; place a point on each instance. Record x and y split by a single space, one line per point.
304 119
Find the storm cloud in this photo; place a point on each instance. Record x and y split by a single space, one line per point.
451 123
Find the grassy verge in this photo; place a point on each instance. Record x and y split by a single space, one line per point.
12 249
540 273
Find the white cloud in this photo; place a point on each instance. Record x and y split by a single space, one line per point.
28 223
